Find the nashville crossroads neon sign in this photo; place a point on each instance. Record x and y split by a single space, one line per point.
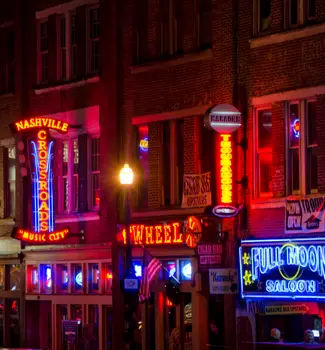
42 158
226 169
283 269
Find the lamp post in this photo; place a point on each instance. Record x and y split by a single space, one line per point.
120 264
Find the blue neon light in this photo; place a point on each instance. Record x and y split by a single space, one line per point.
138 270
283 268
35 177
50 156
296 128
78 279
186 270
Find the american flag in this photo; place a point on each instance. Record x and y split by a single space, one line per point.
149 273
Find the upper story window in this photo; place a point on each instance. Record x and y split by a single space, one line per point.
140 31
263 153
71 41
204 23
262 16
78 177
300 11
302 147
7 69
93 33
43 53
172 153
171 36
143 153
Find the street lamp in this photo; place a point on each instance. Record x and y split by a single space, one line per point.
121 268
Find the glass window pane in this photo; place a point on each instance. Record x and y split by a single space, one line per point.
2 308
91 329
264 128
265 176
14 326
32 280
93 278
77 281
294 170
312 170
294 126
265 14
62 278
143 152
311 123
293 12
15 274
107 277
65 158
75 156
185 270
46 278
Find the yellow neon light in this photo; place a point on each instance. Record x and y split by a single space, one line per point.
226 169
282 273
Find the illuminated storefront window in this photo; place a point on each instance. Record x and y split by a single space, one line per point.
46 278
143 154
93 278
62 278
185 270
77 282
15 277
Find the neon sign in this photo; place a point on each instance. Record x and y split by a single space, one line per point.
296 128
41 150
292 268
164 234
225 169
144 144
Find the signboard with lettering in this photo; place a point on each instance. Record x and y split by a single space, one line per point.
196 190
209 255
41 154
282 268
288 309
305 215
70 331
223 281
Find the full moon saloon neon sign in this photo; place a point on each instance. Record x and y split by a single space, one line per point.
283 269
41 152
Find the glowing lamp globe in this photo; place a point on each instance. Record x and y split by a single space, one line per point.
126 175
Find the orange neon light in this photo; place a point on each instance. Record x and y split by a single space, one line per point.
109 275
163 234
44 192
226 169
35 237
41 122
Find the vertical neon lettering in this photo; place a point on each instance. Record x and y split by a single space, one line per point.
226 169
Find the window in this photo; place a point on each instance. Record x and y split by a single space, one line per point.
172 162
63 49
46 278
77 278
68 185
204 23
15 277
74 47
7 68
2 277
93 278
300 11
263 146
140 31
43 45
171 35
302 147
143 152
93 40
94 173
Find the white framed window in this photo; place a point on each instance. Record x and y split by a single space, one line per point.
302 146
68 182
43 52
93 39
263 152
94 173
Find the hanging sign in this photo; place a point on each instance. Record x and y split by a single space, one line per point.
280 268
41 154
196 190
164 234
223 281
305 215
288 309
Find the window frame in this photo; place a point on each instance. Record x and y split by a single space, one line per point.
302 146
90 41
91 172
256 159
41 52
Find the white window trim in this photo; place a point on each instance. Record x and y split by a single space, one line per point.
90 172
303 144
89 40
256 168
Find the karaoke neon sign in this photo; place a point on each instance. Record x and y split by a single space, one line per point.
41 152
226 169
282 268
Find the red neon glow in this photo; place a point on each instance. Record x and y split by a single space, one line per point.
41 122
44 192
35 237
165 234
109 276
168 302
193 230
226 169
